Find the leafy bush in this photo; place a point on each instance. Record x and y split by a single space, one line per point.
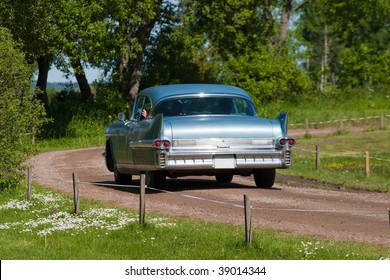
269 76
72 117
21 116
109 99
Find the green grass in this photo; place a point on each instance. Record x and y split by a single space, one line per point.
342 159
322 109
70 143
45 228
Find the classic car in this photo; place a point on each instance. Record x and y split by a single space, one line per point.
196 129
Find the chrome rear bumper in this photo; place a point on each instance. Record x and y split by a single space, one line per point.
224 160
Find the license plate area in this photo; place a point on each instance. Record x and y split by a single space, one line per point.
224 162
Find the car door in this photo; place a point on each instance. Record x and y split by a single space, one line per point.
125 134
144 132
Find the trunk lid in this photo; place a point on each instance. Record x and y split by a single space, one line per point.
222 127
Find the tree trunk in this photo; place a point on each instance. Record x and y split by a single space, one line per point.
43 72
285 20
324 61
82 81
287 11
130 68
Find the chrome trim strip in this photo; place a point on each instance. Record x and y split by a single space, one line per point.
213 142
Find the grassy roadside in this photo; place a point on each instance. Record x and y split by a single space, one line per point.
322 109
342 159
69 143
44 228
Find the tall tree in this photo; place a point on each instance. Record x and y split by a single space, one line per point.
245 38
176 53
234 26
288 9
130 25
347 40
84 30
31 22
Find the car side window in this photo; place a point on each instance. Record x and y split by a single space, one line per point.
137 108
141 103
147 106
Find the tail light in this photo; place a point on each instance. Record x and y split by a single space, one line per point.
161 144
289 141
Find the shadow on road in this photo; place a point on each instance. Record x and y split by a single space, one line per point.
178 185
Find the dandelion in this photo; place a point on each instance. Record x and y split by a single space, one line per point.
335 165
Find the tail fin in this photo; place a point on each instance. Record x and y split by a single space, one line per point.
283 119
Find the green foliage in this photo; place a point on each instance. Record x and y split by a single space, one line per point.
347 42
31 23
232 26
21 117
72 118
267 75
109 100
177 55
87 37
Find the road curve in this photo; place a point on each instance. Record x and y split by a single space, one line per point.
289 207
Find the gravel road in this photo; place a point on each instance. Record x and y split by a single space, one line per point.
290 207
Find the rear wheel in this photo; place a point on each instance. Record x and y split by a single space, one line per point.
264 178
155 179
108 158
224 178
120 178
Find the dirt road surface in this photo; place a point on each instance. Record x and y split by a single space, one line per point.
291 206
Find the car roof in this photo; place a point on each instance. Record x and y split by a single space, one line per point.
166 91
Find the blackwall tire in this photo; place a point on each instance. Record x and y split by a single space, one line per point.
122 179
108 158
155 179
264 178
224 178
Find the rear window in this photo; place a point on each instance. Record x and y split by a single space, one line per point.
205 106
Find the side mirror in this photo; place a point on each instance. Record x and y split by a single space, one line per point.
121 117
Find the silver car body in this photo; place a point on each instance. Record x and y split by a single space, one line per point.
197 129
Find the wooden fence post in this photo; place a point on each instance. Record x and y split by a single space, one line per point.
307 126
248 220
76 194
382 121
341 127
142 199
318 163
389 218
367 156
29 183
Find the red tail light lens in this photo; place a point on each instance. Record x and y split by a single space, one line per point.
157 143
291 142
162 143
285 141
282 142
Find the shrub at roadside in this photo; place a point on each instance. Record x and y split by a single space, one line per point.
21 116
